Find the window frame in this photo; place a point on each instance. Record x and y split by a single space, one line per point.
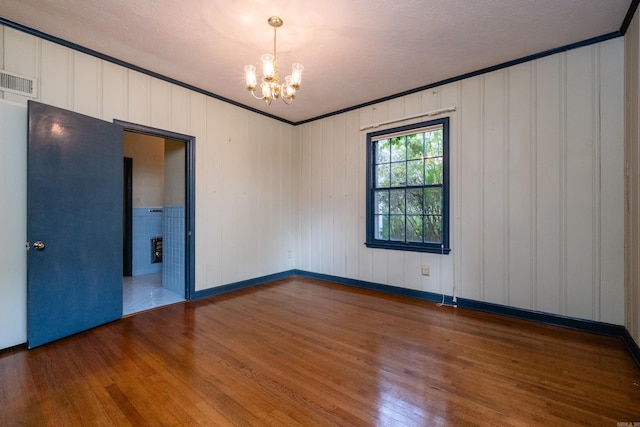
429 247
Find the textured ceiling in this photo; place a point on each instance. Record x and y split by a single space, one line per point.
354 51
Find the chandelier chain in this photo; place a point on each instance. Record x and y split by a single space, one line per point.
275 30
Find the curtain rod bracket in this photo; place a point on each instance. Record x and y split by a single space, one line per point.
415 116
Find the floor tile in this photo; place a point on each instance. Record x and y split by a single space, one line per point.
144 292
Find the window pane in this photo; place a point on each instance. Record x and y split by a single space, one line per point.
433 217
415 146
414 228
381 227
408 191
433 228
398 149
433 171
383 176
434 143
398 174
382 202
433 201
415 172
414 201
397 228
383 151
397 202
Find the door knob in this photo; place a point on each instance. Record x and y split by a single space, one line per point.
38 246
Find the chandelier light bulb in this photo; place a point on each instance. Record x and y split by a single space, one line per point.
250 77
268 67
296 75
266 92
288 91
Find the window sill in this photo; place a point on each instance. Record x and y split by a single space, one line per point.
401 246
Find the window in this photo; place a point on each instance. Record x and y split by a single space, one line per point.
408 187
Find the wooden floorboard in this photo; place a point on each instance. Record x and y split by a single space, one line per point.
302 352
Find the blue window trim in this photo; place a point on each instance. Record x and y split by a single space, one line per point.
371 241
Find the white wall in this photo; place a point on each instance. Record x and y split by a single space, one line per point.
245 197
148 183
632 178
536 188
13 217
537 184
174 179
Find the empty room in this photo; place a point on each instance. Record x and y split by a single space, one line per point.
292 213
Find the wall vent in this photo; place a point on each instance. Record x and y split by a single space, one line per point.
15 83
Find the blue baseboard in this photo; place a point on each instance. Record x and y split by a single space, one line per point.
428 296
520 313
632 346
241 285
600 328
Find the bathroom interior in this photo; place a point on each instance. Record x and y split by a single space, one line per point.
154 222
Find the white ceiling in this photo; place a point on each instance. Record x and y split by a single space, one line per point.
354 51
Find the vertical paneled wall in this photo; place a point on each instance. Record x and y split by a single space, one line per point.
536 171
632 178
536 188
245 199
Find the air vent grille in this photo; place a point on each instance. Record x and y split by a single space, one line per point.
15 83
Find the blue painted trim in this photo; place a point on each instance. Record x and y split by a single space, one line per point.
549 52
395 290
520 313
190 195
371 241
600 328
400 246
130 66
629 17
53 39
190 217
242 284
632 346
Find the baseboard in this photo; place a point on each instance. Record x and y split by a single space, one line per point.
591 326
632 346
600 328
396 290
241 284
520 313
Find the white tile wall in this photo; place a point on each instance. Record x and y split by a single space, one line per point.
173 268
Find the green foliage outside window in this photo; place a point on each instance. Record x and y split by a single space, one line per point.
408 187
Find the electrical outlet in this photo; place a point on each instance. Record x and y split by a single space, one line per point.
425 270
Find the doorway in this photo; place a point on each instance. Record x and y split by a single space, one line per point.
74 220
158 218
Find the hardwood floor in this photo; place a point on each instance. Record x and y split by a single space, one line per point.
305 352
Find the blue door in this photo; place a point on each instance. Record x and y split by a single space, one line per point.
74 223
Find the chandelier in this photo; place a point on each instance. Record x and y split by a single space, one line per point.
270 85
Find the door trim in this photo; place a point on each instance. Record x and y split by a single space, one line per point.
190 194
127 264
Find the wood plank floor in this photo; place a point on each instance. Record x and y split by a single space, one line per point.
309 353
